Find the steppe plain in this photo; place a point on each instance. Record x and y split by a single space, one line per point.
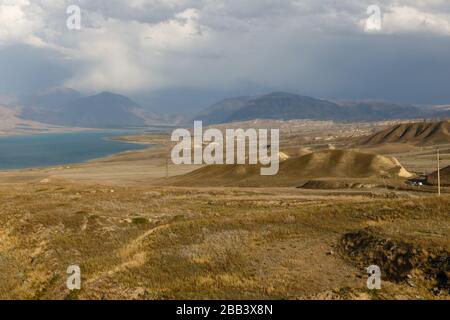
139 229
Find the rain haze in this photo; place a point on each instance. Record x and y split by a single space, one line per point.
180 56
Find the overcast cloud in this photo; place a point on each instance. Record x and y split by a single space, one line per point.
180 55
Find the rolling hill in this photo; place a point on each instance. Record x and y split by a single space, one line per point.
11 123
295 171
420 133
445 177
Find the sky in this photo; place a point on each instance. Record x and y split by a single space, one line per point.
179 56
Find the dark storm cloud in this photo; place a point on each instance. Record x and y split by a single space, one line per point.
407 68
25 69
187 53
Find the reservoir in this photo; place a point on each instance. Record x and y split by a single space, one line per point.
40 150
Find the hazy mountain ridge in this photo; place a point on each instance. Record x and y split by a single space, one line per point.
277 105
222 110
287 106
12 124
380 110
98 111
50 99
67 107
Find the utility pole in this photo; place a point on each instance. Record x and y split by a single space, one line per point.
438 173
167 168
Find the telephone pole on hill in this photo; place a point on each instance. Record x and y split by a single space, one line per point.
438 173
167 168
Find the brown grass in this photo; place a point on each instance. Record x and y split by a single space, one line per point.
171 243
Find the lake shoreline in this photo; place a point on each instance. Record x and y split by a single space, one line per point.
130 167
108 145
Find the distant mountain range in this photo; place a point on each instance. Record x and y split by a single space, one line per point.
287 106
105 110
278 105
50 99
67 107
367 110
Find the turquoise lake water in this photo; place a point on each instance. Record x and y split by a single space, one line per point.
17 152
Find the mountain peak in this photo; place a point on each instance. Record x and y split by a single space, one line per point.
103 110
107 98
281 105
281 94
58 90
50 98
108 94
